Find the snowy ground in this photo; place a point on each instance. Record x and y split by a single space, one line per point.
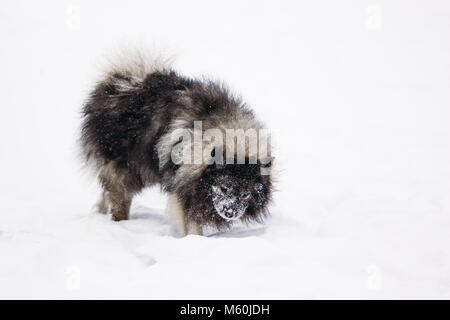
357 94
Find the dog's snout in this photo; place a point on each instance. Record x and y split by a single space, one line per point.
229 208
228 214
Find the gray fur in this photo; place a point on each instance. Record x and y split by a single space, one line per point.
128 122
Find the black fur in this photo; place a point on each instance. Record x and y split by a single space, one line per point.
125 117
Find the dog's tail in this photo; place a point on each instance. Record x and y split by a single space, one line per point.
128 67
114 112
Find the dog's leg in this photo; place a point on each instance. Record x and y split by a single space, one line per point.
176 216
193 227
102 204
120 203
117 195
180 225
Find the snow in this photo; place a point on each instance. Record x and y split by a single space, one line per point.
357 95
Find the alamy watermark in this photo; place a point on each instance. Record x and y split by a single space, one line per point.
374 17
73 278
221 146
73 17
374 278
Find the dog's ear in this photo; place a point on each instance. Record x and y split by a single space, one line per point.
266 162
266 165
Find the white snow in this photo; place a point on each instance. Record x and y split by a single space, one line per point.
357 95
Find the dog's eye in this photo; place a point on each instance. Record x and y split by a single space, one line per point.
246 195
222 189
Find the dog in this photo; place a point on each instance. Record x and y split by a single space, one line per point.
140 126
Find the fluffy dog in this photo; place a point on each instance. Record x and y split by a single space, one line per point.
128 136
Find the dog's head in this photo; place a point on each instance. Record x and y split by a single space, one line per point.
237 191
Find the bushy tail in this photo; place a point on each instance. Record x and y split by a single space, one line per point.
133 64
114 113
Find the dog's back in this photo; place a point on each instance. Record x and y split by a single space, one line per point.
123 119
126 110
129 123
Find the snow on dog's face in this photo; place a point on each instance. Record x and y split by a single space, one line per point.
230 197
224 193
237 190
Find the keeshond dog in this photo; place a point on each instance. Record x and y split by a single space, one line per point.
140 128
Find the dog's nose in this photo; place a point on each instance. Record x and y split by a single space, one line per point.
228 214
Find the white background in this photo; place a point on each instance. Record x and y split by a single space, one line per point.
356 93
